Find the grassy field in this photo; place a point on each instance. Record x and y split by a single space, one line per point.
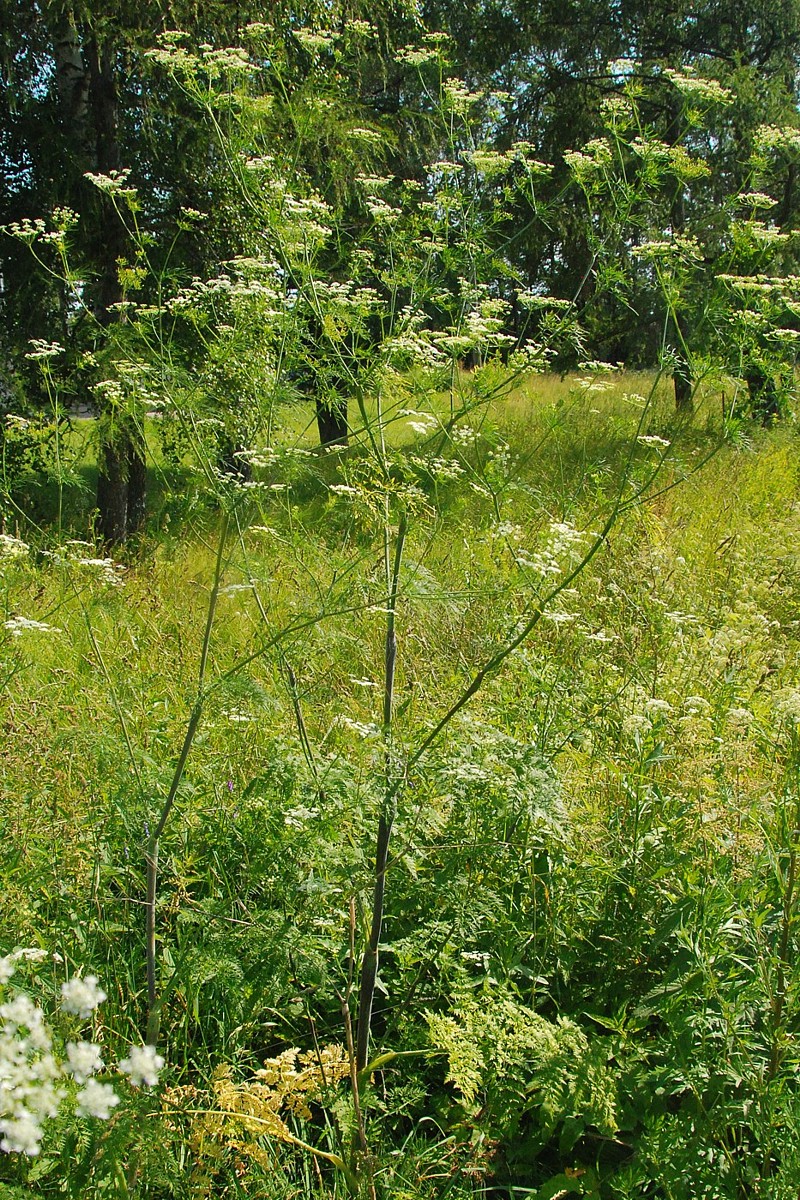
588 973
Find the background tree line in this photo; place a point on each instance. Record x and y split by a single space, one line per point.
80 95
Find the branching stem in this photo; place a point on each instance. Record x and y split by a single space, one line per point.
151 857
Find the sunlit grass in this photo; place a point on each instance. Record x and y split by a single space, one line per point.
654 694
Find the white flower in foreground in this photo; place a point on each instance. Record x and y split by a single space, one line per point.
81 996
83 1060
43 350
21 1011
28 1075
96 1100
8 962
21 1135
142 1066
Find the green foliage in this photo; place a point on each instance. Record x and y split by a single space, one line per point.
479 721
591 890
517 1064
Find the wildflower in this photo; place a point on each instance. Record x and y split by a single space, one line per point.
361 28
314 42
28 1073
96 1100
487 162
16 626
652 439
108 571
296 818
424 423
635 723
381 211
508 530
22 1135
26 229
446 167
43 350
83 1060
114 183
19 1013
459 98
416 56
364 729
559 618
788 707
697 87
81 996
142 1066
756 200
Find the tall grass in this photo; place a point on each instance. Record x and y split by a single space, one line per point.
604 836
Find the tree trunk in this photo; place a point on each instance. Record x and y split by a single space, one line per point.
122 475
763 394
136 481
112 494
88 101
682 378
332 422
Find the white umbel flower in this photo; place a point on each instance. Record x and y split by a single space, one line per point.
96 1100
81 996
142 1066
83 1060
21 1135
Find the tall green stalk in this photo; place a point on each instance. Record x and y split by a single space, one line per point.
151 858
370 959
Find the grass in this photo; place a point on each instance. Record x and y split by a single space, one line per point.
603 836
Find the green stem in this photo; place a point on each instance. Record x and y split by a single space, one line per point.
369 962
151 856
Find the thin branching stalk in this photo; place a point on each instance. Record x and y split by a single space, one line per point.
151 858
369 963
359 1148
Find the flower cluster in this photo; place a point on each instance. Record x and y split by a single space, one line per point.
35 1082
564 547
698 88
16 626
115 183
12 547
41 350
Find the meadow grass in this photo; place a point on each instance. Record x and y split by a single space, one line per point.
605 835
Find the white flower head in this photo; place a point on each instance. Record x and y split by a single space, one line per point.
142 1066
21 1012
96 1100
81 996
17 626
21 1135
83 1060
788 706
12 547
